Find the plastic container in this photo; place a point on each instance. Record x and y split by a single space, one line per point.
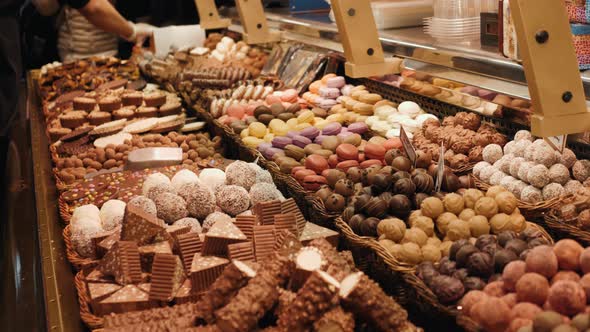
398 14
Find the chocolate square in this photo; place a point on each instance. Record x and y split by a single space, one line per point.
204 271
246 224
122 262
188 245
266 211
221 234
243 251
313 231
185 293
286 221
167 277
289 206
264 239
139 226
147 253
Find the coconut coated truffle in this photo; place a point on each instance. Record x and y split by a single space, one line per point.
492 153
159 189
558 173
523 135
152 180
538 176
171 207
553 190
182 177
233 199
143 203
486 174
212 178
263 192
496 178
190 222
524 169
479 167
544 156
520 148
581 170
262 175
200 200
112 213
572 187
515 165
568 158
240 173
213 218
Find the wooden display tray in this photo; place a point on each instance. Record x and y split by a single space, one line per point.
61 307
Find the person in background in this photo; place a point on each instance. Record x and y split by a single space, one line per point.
91 27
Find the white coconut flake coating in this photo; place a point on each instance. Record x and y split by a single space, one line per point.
573 186
507 182
509 147
200 200
88 211
212 178
515 165
152 180
183 176
523 134
144 204
517 188
262 175
568 158
581 170
558 173
171 207
264 192
531 195
240 173
541 142
159 189
524 169
492 153
529 152
520 147
544 156
213 218
112 213
505 163
81 237
487 173
538 176
190 222
553 190
479 167
496 178
232 199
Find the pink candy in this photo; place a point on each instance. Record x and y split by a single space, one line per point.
331 93
336 82
289 96
236 111
272 99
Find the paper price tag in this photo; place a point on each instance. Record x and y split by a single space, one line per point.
441 169
407 144
557 142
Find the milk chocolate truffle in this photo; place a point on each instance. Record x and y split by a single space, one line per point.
531 195
415 235
492 153
542 260
400 175
447 289
486 206
170 207
567 297
581 170
424 182
480 264
393 229
471 196
512 273
410 253
453 203
424 223
568 252
200 200
500 223
443 221
506 202
432 207
492 313
466 214
431 253
478 225
335 203
458 229
344 187
423 159
233 199
333 176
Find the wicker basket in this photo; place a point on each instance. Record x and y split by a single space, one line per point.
77 261
417 294
562 229
529 210
64 210
92 321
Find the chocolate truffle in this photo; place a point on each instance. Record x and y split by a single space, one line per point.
415 235
424 182
567 297
432 207
525 310
568 158
240 173
473 283
233 199
512 273
431 253
171 207
558 173
424 223
463 254
200 200
393 229
479 167
503 257
470 299
572 187
568 252
447 266
531 195
404 187
143 203
565 275
538 176
581 170
410 253
492 313
532 287
453 203
500 223
480 264
455 247
264 192
112 213
400 206
495 288
542 260
471 196
153 180
544 156
553 190
458 229
506 202
486 206
516 245
478 225
369 227
182 177
447 289
190 222
585 260
337 202
213 218
492 153
426 271
401 163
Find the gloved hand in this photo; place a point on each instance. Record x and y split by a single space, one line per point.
141 32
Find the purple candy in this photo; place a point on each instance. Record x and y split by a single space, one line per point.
358 128
344 130
264 146
469 90
310 132
319 139
292 134
301 141
281 142
332 129
271 152
486 94
343 135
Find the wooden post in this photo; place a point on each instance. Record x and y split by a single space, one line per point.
209 16
551 68
360 40
254 23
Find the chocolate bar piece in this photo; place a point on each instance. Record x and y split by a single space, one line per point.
99 237
147 253
139 226
221 234
167 277
287 221
122 262
289 206
99 292
128 298
204 271
243 251
185 293
246 225
266 211
264 240
96 276
188 245
313 231
105 245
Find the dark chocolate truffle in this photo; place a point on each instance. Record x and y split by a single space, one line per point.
461 274
418 199
354 174
447 289
400 175
447 266
361 201
376 207
464 253
381 183
400 206
485 240
404 187
335 203
426 271
502 258
506 236
369 227
401 163
455 248
355 223
517 246
473 283
424 182
480 264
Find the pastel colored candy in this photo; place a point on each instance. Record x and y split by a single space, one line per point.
264 146
327 103
289 96
271 152
336 82
319 139
332 128
281 142
331 93
272 99
343 135
310 132
347 90
305 117
301 141
358 127
292 134
327 77
314 87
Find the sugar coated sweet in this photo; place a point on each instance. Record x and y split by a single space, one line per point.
112 213
152 180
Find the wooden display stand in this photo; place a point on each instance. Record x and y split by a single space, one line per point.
209 15
551 68
360 40
254 23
